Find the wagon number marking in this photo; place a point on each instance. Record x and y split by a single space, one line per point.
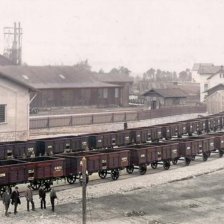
2 174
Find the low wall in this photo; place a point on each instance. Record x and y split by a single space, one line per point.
94 128
13 136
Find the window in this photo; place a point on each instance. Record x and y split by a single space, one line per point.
105 93
116 94
2 113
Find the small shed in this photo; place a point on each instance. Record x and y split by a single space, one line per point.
157 98
215 99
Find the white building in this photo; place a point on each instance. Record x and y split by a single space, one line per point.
14 109
202 73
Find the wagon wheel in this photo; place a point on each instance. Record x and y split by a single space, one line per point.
71 179
115 174
221 153
166 165
2 190
102 174
47 185
187 161
209 153
35 184
154 165
205 157
175 161
81 179
130 169
142 169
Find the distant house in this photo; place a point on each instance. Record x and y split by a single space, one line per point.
200 74
66 86
211 86
215 99
156 98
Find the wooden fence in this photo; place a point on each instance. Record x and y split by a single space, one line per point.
51 121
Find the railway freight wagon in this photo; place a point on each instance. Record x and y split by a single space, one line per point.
116 160
153 153
218 142
36 171
43 170
102 162
191 147
12 172
17 149
50 146
95 161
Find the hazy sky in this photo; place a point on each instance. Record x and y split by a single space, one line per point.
138 34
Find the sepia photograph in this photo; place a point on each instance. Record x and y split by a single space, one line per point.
111 111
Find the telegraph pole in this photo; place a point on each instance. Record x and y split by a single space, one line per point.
83 190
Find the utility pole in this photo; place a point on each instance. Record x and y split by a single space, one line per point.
13 43
83 190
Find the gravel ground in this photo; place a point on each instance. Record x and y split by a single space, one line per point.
140 199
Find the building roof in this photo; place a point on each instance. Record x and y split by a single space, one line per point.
5 61
18 82
215 88
167 93
190 88
115 78
197 66
209 70
220 70
45 77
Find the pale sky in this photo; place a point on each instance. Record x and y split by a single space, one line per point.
138 34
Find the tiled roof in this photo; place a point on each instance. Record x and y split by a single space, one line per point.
208 70
112 78
18 82
197 66
43 77
220 70
167 93
215 89
190 88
